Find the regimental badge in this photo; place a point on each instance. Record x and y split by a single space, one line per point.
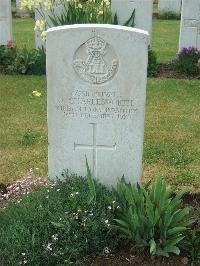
95 61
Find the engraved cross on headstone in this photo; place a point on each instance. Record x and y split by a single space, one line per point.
94 147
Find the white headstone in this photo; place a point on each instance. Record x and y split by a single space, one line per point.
5 21
190 24
40 14
165 6
96 78
143 12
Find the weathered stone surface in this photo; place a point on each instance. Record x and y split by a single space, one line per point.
5 21
173 6
190 24
143 12
96 100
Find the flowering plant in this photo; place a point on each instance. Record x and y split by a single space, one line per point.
24 61
188 61
64 12
55 224
7 55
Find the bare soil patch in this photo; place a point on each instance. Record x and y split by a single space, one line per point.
166 71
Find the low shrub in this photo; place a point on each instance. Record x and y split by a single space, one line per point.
61 223
188 61
29 138
151 217
152 64
33 62
170 16
7 56
191 245
15 61
39 66
56 225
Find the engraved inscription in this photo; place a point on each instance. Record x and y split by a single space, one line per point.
193 23
97 104
94 147
95 61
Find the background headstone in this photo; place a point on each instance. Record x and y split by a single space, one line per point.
96 76
165 6
58 9
5 21
190 24
143 15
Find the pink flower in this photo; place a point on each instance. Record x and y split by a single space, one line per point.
10 44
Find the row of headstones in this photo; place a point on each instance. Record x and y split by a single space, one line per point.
164 6
190 22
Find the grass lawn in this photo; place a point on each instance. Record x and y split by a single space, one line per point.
171 133
164 40
23 132
172 119
23 33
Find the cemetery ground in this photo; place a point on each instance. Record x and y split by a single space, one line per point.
171 131
171 150
172 117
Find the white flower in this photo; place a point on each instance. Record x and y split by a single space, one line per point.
43 35
55 237
49 247
48 5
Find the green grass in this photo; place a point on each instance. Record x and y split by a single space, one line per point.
172 120
171 132
22 114
164 40
23 32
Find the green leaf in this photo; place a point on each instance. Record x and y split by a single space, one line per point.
176 230
91 184
115 20
131 21
173 249
57 225
152 247
121 223
179 215
174 241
